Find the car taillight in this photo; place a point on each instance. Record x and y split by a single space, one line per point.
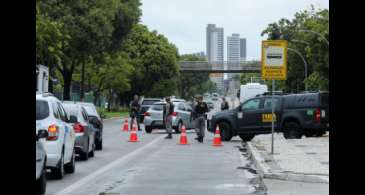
52 133
79 128
174 114
147 114
317 115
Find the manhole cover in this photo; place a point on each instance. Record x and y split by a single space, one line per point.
311 153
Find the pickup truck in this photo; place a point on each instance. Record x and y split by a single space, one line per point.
295 115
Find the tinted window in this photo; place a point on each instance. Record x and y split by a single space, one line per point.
268 103
157 107
324 100
56 113
149 102
251 105
42 110
84 115
63 114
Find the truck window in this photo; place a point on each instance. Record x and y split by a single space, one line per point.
251 105
269 102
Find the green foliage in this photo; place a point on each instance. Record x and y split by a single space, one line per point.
315 50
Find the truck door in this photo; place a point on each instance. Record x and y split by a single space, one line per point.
267 111
249 116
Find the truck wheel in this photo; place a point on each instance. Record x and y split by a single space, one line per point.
225 130
148 129
247 138
292 130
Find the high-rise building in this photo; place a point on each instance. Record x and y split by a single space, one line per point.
243 49
215 52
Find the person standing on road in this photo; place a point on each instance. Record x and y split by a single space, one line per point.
224 104
200 115
168 109
134 108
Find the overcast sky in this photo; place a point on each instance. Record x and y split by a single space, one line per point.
184 22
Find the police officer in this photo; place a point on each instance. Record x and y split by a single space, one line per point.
134 108
200 115
168 109
224 104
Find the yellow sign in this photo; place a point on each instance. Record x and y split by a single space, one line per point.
273 59
268 118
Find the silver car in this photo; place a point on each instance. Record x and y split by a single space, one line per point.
85 132
181 116
41 160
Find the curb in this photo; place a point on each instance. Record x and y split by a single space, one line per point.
265 172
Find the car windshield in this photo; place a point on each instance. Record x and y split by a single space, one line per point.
42 109
149 102
90 110
157 107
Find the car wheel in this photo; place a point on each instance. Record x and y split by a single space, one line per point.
292 130
70 167
225 130
42 182
99 144
247 138
92 152
178 127
85 155
59 171
148 129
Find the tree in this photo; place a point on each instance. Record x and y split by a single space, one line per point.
91 27
314 50
154 60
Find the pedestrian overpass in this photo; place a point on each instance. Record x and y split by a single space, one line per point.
220 67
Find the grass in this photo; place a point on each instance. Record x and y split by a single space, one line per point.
115 114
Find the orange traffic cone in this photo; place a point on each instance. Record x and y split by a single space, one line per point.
183 137
217 137
125 126
133 137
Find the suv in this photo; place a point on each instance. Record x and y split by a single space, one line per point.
41 160
181 116
85 132
145 105
60 142
296 114
94 119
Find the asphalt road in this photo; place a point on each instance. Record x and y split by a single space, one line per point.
158 166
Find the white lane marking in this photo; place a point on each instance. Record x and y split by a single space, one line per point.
107 167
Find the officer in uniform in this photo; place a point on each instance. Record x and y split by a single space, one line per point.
134 108
224 105
200 115
168 109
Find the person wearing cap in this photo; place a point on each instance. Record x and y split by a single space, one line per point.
200 115
168 109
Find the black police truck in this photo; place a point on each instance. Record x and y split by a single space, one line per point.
295 115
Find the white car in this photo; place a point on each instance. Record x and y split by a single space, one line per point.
59 144
41 160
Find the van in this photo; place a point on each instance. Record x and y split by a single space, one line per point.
250 90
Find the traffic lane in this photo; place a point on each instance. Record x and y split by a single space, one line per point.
115 145
165 167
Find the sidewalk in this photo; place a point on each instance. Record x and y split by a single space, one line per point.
301 160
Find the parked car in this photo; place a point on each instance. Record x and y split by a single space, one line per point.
85 132
94 119
181 116
145 105
41 162
296 115
59 144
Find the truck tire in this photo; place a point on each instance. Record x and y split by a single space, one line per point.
225 130
292 130
247 138
148 129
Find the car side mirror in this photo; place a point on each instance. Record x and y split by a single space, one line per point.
73 119
42 133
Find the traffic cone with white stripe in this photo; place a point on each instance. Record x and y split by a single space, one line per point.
133 137
217 137
125 125
183 137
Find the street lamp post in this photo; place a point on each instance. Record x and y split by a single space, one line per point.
316 33
305 65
